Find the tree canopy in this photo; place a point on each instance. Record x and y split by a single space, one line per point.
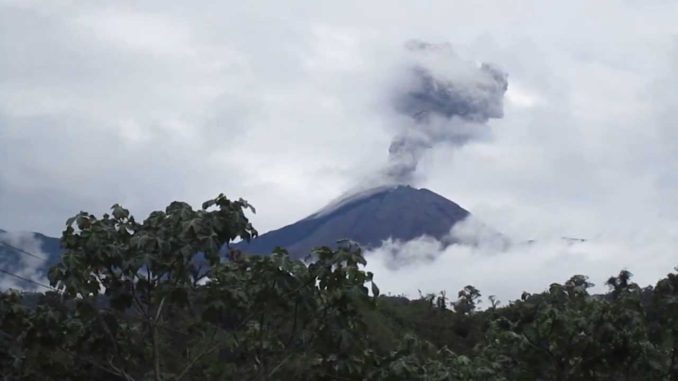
155 300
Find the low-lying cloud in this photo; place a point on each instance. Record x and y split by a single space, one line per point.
22 256
427 265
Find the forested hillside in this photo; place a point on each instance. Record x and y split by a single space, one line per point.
153 300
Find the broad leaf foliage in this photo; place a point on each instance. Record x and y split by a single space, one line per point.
167 299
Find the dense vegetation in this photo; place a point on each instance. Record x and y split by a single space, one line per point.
154 301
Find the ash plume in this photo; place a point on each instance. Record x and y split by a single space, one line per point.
443 99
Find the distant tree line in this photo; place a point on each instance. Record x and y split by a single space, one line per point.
154 300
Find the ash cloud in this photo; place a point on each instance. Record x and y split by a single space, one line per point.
443 99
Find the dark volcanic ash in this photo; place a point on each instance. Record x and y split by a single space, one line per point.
444 99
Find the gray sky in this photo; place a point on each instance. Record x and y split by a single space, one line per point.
284 105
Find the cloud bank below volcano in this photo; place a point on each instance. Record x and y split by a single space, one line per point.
428 265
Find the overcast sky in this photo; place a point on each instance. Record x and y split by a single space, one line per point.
284 104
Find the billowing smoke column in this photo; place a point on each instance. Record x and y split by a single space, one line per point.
443 99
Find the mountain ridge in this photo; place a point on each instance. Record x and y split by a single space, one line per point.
370 217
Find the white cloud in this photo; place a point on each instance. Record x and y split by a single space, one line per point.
284 105
425 265
26 266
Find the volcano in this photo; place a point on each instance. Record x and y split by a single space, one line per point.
368 218
397 212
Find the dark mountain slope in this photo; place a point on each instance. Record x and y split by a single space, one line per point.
401 212
369 217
